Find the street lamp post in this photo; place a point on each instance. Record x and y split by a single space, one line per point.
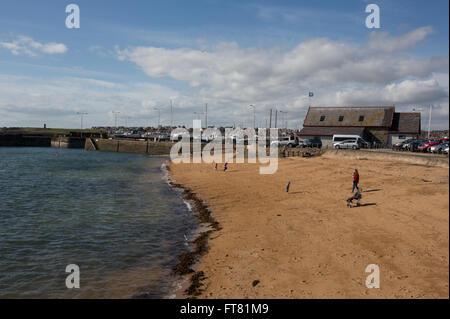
285 118
429 118
429 122
82 114
171 114
254 115
115 117
159 116
206 115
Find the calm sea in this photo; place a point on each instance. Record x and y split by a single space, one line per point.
111 214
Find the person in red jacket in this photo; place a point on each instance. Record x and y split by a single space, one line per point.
355 180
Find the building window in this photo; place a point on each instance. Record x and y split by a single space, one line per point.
361 118
341 118
322 118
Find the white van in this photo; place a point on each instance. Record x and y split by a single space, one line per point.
348 141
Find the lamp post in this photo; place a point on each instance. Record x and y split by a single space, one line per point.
429 118
206 115
254 115
429 122
285 118
81 114
171 114
115 117
159 116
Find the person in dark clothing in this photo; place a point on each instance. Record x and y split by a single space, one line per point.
356 197
287 187
355 180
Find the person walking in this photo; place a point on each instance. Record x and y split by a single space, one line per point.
287 186
355 180
225 166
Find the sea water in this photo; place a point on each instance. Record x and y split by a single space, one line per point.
112 214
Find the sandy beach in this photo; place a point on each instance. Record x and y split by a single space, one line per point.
308 244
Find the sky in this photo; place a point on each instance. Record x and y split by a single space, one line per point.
135 57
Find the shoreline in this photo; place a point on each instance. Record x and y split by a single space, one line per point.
187 267
308 244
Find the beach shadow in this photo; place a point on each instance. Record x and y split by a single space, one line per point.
372 190
295 193
368 204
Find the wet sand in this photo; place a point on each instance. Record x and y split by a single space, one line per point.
308 244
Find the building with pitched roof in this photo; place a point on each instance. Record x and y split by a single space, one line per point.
373 123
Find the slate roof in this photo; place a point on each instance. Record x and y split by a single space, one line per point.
406 123
330 131
350 116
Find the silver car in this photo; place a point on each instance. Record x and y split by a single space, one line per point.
438 148
351 143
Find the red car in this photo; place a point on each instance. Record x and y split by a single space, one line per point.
425 147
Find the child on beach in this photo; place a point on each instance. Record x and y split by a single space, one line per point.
225 166
355 180
215 167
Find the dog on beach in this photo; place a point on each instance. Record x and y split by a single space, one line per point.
357 196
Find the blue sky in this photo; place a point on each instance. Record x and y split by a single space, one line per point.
135 56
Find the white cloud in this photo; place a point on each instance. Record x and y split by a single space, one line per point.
56 101
229 78
228 68
28 46
382 42
340 73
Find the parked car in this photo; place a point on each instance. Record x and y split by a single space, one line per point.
438 148
406 145
426 146
289 141
340 138
312 142
423 147
445 150
351 143
401 146
133 134
414 145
